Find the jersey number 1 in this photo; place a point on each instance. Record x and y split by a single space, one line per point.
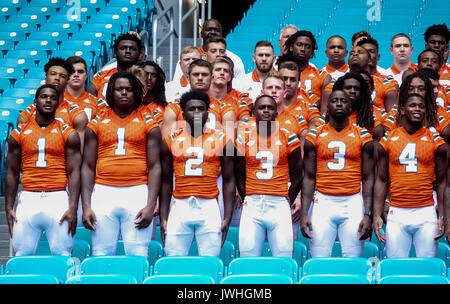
41 162
120 149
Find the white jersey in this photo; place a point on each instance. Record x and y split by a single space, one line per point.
174 90
247 84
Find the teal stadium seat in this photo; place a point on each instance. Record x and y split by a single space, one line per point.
20 93
31 55
81 249
34 9
136 266
414 279
371 250
155 250
44 45
62 267
32 19
102 279
28 279
20 63
410 266
64 28
211 266
29 83
180 279
257 279
341 265
17 31
334 279
264 265
227 252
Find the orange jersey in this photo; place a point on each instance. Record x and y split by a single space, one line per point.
196 162
383 85
101 79
239 102
311 80
43 155
66 112
86 101
338 158
267 160
444 74
216 111
443 96
155 110
411 166
302 107
122 148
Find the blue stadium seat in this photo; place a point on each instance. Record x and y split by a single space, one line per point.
28 279
62 267
56 36
444 252
180 279
155 250
97 4
233 236
45 11
29 83
20 93
57 4
142 6
6 43
15 103
82 15
86 47
11 73
21 63
264 265
36 45
36 72
4 84
122 20
410 266
211 266
414 279
15 3
257 279
370 250
137 266
17 31
353 266
83 233
35 55
334 279
81 249
102 279
7 10
64 28
97 27
132 12
32 19
227 252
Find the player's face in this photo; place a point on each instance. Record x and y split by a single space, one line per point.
200 78
47 102
429 60
417 86
374 56
303 48
338 105
221 74
336 50
274 87
358 58
352 88
215 49
264 58
211 28
401 49
414 110
78 78
123 94
288 32
186 60
57 76
265 110
152 78
196 113
127 52
437 43
290 81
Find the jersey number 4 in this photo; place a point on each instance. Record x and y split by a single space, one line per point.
408 157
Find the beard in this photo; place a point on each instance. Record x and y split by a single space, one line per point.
265 68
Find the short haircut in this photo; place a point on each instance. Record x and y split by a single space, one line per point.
263 43
77 59
400 35
224 59
287 58
127 36
193 95
190 49
430 73
45 86
273 74
289 65
336 36
201 63
359 35
425 51
264 96
437 29
290 26
58 61
368 41
214 39
135 83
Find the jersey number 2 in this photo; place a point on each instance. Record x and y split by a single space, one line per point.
194 161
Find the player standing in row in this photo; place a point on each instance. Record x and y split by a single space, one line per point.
437 38
195 154
401 50
410 157
271 157
338 162
123 142
48 152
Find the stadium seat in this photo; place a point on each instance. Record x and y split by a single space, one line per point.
227 252
11 73
102 279
44 11
29 83
32 19
155 250
414 279
17 31
6 43
4 84
97 4
123 20
137 266
57 4
334 279
444 253
180 279
20 93
7 10
257 279
370 250
35 55
81 249
28 279
83 233
211 266
81 16
36 73
21 63
127 10
62 18
233 236
410 266
52 35
64 28
264 265
349 266
62 267
43 45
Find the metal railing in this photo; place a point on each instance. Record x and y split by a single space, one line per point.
168 14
